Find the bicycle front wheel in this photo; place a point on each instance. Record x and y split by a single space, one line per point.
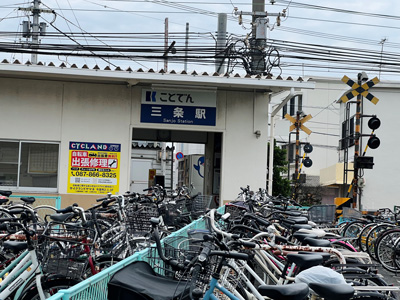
385 249
50 288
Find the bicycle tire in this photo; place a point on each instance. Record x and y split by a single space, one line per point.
50 287
44 210
100 263
373 236
384 249
397 253
353 231
362 240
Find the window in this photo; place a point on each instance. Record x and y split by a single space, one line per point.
347 134
28 164
294 105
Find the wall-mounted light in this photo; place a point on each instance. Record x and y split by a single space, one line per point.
257 133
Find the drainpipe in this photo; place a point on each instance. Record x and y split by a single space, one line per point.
272 136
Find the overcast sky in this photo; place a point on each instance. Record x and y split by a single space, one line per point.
304 24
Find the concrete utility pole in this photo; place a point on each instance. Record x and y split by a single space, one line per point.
258 41
35 29
221 43
166 45
257 64
186 46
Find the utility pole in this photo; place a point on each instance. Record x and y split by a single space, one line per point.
35 29
221 42
186 46
258 41
166 45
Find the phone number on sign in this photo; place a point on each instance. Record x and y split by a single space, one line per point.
94 174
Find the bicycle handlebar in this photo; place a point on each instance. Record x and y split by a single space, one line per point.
68 209
212 222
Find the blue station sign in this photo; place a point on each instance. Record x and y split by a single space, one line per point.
178 107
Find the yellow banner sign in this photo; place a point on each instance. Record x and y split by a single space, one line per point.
93 168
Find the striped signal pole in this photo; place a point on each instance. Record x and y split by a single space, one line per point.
357 143
297 124
360 90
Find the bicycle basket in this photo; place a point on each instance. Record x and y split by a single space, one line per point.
174 211
183 250
69 233
198 205
64 259
138 218
322 214
351 213
236 210
65 249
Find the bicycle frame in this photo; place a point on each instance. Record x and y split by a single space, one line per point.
18 274
215 285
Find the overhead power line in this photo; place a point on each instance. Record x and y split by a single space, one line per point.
338 10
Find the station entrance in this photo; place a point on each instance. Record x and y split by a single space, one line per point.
173 158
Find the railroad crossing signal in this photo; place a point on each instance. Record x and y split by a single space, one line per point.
357 89
301 122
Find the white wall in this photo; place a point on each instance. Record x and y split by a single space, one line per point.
30 107
244 156
64 111
321 104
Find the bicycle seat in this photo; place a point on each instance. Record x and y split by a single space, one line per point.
3 200
316 243
325 255
319 232
300 236
295 291
293 213
332 291
304 261
298 220
28 200
60 217
6 193
14 246
139 281
297 227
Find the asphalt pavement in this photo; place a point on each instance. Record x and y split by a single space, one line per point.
391 278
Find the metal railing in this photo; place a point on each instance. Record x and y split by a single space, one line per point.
96 287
